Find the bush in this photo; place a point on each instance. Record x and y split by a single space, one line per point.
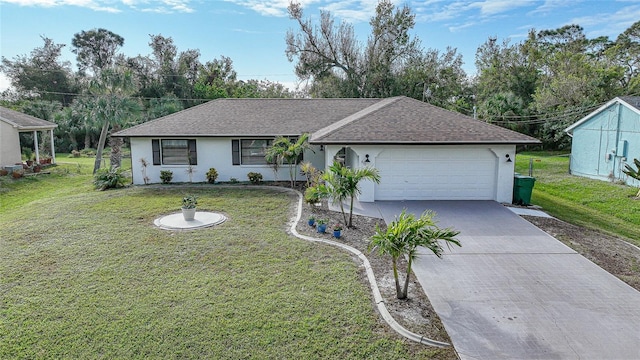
88 152
110 179
312 195
166 176
255 177
212 175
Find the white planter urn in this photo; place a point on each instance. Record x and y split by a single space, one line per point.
189 214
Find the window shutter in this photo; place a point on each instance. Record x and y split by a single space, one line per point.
235 152
155 147
193 153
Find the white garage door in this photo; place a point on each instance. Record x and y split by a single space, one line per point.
436 174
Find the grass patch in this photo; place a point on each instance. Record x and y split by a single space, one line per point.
591 203
85 274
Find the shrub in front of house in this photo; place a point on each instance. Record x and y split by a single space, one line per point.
255 177
166 176
212 175
110 179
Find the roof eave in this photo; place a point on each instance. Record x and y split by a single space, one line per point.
399 142
119 134
36 128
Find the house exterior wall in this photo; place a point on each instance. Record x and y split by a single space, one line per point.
9 145
211 153
602 145
503 170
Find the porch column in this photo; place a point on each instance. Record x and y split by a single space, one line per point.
53 149
35 144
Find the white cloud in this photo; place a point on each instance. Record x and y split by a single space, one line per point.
277 8
90 4
348 10
609 24
493 7
113 6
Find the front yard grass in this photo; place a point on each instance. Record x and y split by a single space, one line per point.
85 274
591 203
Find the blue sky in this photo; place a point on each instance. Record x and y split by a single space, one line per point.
252 32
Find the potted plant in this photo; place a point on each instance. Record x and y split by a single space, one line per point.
189 203
337 231
322 225
312 220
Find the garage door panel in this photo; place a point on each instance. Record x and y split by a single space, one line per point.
436 174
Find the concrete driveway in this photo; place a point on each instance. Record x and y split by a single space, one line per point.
513 292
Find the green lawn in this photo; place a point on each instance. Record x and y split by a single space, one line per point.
592 203
85 274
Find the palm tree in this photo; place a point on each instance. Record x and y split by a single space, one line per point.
403 237
283 150
343 183
111 92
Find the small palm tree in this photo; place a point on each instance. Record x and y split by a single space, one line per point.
283 150
634 173
342 183
403 237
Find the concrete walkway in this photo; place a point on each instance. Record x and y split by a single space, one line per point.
513 292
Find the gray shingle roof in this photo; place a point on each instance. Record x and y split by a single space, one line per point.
631 100
403 120
24 122
251 117
398 120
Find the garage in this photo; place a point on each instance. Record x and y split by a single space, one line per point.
437 173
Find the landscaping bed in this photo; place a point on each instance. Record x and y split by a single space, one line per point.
415 313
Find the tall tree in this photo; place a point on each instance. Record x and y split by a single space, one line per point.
390 63
178 72
388 46
625 52
112 104
96 49
42 73
325 51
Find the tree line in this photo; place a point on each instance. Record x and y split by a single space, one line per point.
109 90
537 86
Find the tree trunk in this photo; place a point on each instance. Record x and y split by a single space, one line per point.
344 216
87 139
116 146
399 294
292 175
406 280
351 213
101 141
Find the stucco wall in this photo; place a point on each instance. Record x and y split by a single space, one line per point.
596 152
212 153
504 169
9 145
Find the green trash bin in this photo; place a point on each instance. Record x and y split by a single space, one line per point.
522 189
